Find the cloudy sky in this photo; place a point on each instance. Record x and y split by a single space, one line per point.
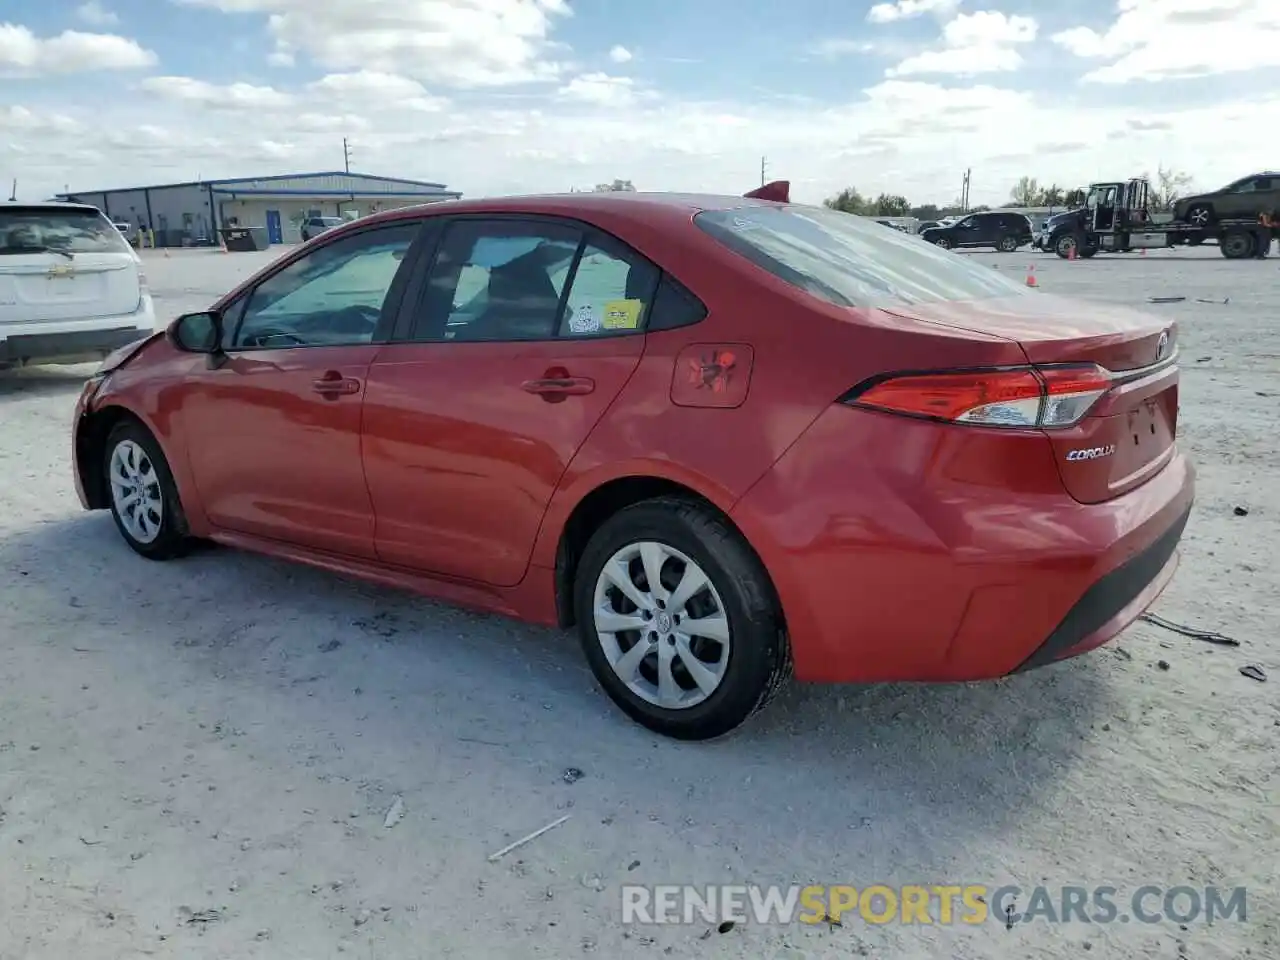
519 96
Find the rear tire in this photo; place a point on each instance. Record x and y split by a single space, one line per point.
142 493
1237 244
687 684
1007 245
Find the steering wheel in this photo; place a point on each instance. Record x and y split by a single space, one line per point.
262 336
368 314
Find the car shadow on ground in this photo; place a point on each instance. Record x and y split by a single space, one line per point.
425 681
43 380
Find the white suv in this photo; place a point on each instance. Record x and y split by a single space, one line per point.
71 287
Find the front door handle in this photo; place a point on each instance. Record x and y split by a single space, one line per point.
557 388
334 384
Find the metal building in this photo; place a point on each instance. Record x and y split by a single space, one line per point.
186 214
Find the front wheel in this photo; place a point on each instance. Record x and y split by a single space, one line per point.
679 620
143 495
1200 215
944 243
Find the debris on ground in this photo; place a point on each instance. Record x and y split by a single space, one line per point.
1165 299
573 775
1254 672
493 857
1162 664
1224 300
329 647
1208 636
1240 512
189 917
395 814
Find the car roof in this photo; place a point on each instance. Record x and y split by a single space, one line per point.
616 205
46 205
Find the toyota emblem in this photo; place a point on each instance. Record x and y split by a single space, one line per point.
1162 346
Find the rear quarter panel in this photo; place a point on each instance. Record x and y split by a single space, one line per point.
807 353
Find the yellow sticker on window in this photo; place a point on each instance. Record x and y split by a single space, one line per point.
622 314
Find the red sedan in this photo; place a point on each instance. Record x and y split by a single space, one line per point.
728 438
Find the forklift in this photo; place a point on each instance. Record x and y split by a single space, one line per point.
1116 218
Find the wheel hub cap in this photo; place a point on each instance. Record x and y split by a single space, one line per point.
661 625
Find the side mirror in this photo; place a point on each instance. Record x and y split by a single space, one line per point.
197 332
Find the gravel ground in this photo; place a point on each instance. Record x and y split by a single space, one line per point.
228 733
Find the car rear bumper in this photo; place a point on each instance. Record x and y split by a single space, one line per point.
904 550
73 341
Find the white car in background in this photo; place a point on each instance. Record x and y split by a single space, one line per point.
71 287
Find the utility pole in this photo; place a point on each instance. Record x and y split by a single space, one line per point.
764 166
346 154
13 194
964 191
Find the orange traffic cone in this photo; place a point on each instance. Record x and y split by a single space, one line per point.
1071 253
1031 276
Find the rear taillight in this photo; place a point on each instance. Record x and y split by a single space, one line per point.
1021 397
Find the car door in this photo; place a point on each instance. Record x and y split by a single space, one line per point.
968 231
1248 198
524 332
273 433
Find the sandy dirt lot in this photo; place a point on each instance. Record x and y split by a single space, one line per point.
197 758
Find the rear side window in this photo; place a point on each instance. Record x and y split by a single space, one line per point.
73 230
851 261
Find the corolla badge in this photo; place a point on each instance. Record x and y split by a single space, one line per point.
1092 453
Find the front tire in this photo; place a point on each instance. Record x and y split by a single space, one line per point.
698 653
142 493
943 243
1200 215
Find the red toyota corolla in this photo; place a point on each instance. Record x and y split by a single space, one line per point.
725 437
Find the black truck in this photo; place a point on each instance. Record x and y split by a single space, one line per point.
1116 218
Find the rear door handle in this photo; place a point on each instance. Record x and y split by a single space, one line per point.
556 388
334 384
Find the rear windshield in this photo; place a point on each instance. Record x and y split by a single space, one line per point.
35 229
851 261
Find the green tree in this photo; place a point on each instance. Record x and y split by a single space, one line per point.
1052 196
848 200
891 205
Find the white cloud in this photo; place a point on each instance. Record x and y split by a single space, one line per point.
601 89
232 97
458 43
972 44
1165 39
22 53
371 89
909 9
95 13
620 54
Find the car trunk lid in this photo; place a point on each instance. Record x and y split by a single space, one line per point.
50 286
1128 435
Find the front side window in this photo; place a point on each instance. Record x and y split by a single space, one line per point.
849 261
332 296
68 230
